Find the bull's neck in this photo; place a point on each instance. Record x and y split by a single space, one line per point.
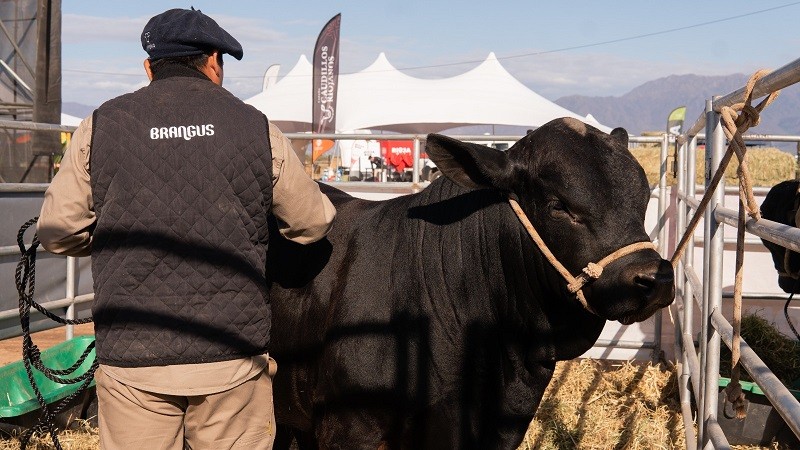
551 320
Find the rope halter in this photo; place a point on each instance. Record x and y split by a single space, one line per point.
591 272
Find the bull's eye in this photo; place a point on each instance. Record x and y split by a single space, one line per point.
558 209
556 205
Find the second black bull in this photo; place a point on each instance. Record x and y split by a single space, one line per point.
432 320
781 205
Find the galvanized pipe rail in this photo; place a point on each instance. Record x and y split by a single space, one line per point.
35 126
60 303
684 346
691 290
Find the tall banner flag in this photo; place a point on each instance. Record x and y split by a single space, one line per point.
324 86
675 120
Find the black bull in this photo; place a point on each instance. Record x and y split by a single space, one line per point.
432 320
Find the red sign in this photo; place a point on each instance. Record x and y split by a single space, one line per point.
399 154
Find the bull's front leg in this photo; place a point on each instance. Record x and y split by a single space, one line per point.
340 428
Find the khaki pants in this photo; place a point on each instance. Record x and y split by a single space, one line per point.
240 418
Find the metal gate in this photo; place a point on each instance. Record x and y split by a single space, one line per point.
699 375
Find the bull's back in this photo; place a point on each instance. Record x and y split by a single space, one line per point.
419 245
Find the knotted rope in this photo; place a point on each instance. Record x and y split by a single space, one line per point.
750 117
591 272
736 119
31 356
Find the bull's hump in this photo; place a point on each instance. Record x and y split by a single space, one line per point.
576 125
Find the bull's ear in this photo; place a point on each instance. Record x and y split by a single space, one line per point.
467 164
621 135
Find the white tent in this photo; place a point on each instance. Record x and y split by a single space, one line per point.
381 97
67 119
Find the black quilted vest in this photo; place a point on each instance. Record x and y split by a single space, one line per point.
181 176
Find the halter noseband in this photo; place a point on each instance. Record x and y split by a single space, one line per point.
591 272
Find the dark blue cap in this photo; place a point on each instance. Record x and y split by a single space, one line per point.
186 32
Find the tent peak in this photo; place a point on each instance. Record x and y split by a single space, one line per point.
301 68
380 64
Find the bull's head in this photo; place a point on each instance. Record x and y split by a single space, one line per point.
781 205
586 195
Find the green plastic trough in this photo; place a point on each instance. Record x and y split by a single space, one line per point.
762 426
16 394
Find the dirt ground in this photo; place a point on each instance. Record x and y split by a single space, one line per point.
11 349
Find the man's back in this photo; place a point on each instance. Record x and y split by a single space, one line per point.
182 204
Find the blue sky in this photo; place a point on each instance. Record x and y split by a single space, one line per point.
582 47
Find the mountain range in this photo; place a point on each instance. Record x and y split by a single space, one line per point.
646 107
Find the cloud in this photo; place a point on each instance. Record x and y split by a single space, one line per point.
103 56
80 29
94 89
249 29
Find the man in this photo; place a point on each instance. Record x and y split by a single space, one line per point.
377 167
169 189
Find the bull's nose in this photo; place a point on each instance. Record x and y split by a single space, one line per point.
657 286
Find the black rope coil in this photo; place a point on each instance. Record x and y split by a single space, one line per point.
25 277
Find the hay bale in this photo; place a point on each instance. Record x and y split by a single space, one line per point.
594 404
81 436
607 405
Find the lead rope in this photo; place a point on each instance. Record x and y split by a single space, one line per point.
591 272
736 119
31 355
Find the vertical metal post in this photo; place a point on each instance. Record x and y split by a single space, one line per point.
680 207
680 284
715 142
662 196
688 169
690 183
415 175
70 293
701 435
797 162
47 86
662 234
680 225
